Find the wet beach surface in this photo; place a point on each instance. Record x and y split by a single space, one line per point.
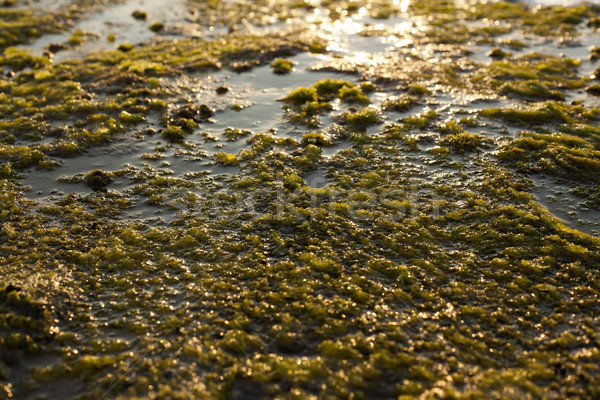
314 199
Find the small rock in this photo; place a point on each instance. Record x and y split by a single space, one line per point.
242 66
125 47
594 90
188 111
11 288
139 15
58 131
498 53
206 111
157 27
56 47
98 179
222 89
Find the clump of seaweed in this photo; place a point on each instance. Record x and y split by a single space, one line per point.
98 179
282 66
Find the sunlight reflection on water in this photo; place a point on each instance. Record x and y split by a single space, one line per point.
562 2
402 5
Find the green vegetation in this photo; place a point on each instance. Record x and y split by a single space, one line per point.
301 96
400 104
349 260
530 90
574 155
533 76
173 133
463 141
361 119
282 66
546 113
307 103
353 95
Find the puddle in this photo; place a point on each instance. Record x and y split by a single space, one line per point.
316 179
259 89
558 198
116 20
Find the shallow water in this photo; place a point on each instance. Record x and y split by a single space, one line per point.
117 20
259 92
325 263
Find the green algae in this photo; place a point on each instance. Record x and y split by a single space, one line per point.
353 95
21 26
309 102
139 14
546 113
534 76
530 90
282 66
551 20
262 344
19 59
463 141
560 154
302 96
173 133
63 91
382 275
400 104
593 89
361 119
98 179
417 90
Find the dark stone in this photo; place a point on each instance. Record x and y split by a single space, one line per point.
98 179
498 54
11 288
188 111
243 66
58 131
168 374
206 111
139 15
193 112
222 89
56 47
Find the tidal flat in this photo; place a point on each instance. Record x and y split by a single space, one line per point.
314 199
